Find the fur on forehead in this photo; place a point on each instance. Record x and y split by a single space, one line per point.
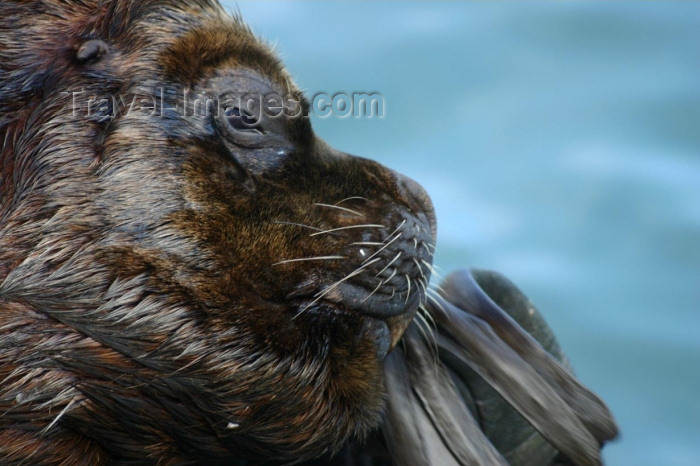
226 42
183 39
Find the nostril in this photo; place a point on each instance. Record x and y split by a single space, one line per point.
418 200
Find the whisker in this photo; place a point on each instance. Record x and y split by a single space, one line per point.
366 243
323 293
431 252
437 275
384 247
428 316
386 244
352 198
373 291
422 285
424 327
429 337
318 258
382 282
345 209
279 222
438 305
420 269
389 264
423 309
350 275
397 228
428 265
369 225
425 285
408 284
439 288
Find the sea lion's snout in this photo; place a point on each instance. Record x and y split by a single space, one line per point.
391 256
372 240
394 286
402 267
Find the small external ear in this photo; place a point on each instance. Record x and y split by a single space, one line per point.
92 50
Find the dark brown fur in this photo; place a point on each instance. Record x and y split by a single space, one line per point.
145 316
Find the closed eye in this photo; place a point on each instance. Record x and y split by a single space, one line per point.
240 120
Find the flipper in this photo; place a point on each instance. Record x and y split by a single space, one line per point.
486 385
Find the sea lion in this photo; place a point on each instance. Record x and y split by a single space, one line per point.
189 275
186 283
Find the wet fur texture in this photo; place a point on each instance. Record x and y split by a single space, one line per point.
150 311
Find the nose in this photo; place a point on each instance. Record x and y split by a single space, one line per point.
418 200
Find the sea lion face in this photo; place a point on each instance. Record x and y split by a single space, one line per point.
226 284
299 234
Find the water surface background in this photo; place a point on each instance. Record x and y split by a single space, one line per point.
560 143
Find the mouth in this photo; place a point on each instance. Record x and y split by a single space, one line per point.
386 317
383 318
358 299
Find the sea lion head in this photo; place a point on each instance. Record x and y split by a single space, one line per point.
204 277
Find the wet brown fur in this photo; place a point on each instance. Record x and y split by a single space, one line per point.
142 318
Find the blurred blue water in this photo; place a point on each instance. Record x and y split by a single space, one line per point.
561 145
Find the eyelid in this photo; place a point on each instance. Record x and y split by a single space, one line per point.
239 120
253 137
